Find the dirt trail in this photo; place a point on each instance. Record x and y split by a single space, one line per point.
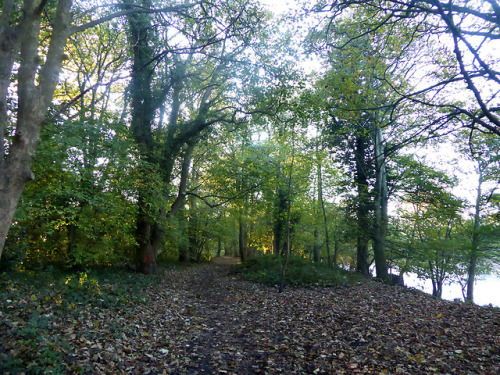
207 320
226 260
225 325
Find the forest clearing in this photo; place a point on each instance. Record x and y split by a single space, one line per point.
206 319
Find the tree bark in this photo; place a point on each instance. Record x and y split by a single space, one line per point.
35 89
242 238
363 207
279 220
149 234
186 163
316 247
148 238
285 254
323 210
336 249
471 271
437 278
381 200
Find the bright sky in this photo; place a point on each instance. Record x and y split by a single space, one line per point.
278 6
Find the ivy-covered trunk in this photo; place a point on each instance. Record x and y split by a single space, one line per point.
149 234
323 210
363 206
242 236
149 237
279 224
380 207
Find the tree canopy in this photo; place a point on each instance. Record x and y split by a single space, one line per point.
139 131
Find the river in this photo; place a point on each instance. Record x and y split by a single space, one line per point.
486 289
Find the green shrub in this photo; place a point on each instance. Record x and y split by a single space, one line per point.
299 272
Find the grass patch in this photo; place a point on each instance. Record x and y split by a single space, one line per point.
299 272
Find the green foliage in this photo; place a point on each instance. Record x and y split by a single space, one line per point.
428 236
299 272
78 211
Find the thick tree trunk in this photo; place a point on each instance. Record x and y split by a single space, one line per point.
148 232
363 208
35 90
380 229
9 50
10 194
186 163
147 235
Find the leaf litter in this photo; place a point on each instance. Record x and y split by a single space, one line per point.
206 320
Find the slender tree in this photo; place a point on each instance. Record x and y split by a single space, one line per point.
483 150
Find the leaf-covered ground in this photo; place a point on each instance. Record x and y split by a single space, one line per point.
206 320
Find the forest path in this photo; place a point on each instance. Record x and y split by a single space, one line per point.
207 320
219 323
226 260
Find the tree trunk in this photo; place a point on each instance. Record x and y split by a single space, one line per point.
437 279
380 230
471 271
316 247
323 209
242 238
363 207
148 236
437 289
336 248
35 90
279 220
10 194
183 242
148 231
280 204
219 245
186 163
285 254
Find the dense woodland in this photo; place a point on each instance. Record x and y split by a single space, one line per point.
141 131
329 137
